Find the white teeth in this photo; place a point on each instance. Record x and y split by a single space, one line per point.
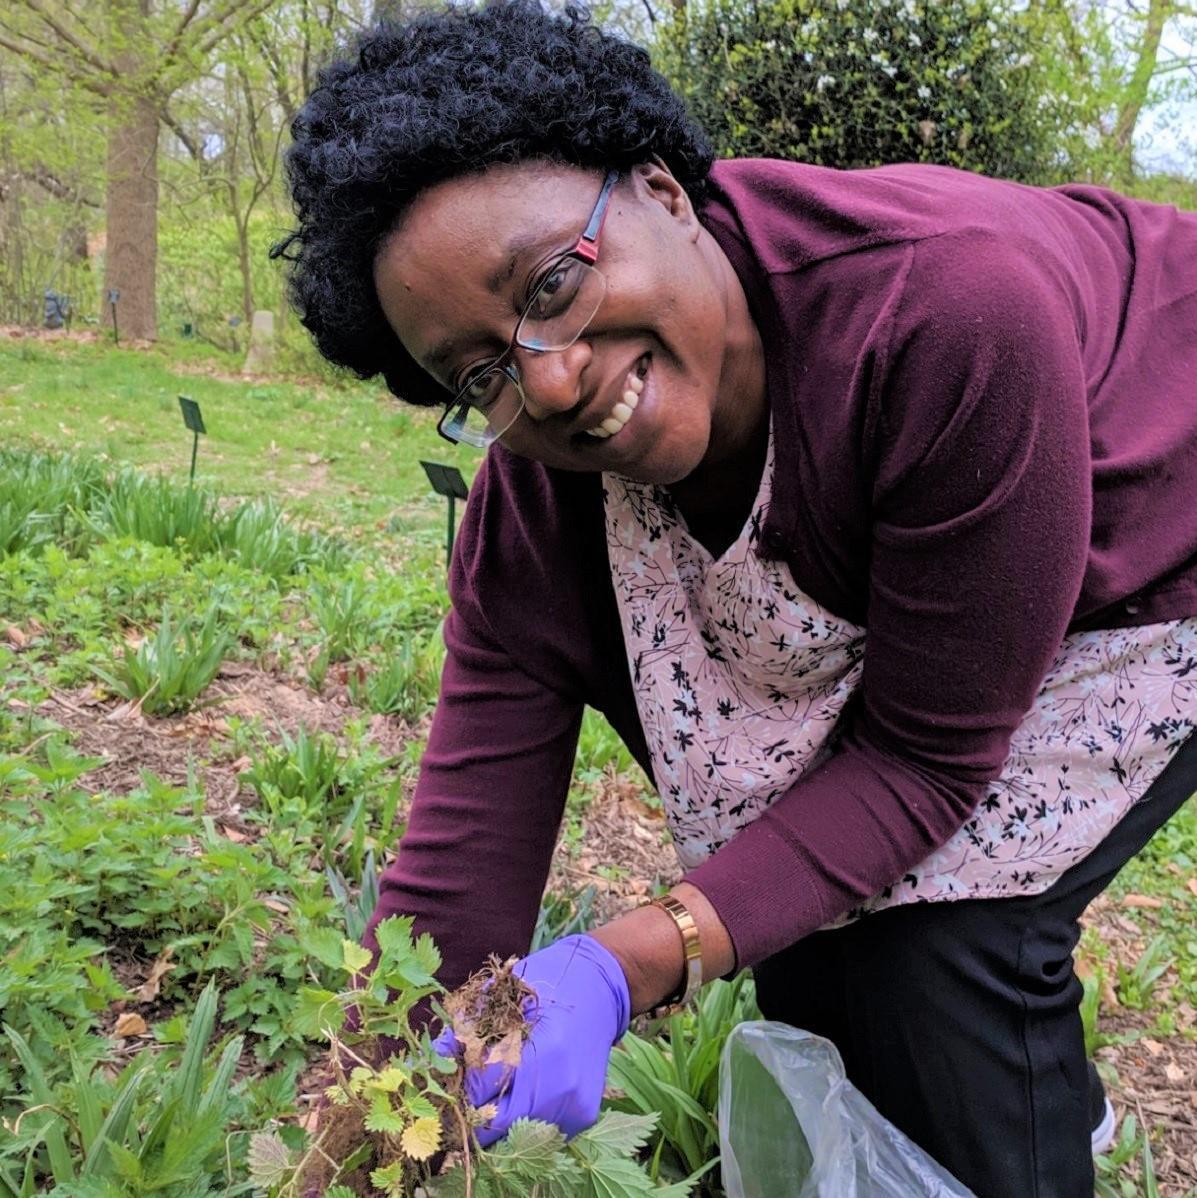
622 412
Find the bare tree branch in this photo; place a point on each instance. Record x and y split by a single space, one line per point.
187 17
87 53
193 147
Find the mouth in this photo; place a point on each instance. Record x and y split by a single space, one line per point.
621 413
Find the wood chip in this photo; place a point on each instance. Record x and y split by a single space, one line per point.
1174 1073
1143 902
130 1024
277 907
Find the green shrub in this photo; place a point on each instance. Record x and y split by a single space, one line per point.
164 1125
676 1073
42 496
160 512
171 668
407 680
864 82
257 536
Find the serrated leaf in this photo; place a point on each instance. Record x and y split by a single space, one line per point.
324 944
394 937
422 1138
389 1179
355 957
382 1116
269 1160
390 1080
418 1107
338 1192
316 1011
615 1177
620 1134
531 1144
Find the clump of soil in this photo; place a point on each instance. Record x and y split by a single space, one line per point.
489 1015
341 1132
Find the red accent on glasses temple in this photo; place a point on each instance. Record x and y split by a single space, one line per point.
587 245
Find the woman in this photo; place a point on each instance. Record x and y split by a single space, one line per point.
862 503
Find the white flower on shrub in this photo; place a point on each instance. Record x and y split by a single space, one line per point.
924 92
823 82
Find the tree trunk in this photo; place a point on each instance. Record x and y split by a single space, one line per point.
131 256
1137 87
132 217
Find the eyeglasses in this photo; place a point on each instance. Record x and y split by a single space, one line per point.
563 302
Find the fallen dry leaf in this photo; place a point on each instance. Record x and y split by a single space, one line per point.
277 907
1143 902
1153 1046
233 835
15 637
130 1024
148 990
1174 1073
1192 885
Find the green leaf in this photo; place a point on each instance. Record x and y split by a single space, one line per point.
316 1011
619 1134
355 957
382 1116
530 1144
325 945
269 1160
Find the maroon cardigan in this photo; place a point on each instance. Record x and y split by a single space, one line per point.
985 422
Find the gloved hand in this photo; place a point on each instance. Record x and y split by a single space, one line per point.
581 1010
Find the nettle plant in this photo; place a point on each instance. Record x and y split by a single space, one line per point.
398 1120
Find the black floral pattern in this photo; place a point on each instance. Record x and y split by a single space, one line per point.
740 681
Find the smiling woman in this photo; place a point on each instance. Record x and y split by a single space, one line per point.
861 502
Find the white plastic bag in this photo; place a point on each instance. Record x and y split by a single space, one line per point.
791 1125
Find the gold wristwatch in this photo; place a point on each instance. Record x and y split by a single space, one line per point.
691 949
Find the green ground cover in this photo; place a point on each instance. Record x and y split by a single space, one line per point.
212 706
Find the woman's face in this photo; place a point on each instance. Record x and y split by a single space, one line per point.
673 326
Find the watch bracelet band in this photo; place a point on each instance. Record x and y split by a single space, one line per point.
692 951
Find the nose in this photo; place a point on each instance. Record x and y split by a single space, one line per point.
552 379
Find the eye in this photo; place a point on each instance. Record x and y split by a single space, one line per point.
481 387
556 290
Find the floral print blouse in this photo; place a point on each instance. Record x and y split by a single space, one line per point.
740 680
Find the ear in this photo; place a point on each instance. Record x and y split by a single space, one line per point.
656 182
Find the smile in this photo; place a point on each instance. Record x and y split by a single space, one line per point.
622 412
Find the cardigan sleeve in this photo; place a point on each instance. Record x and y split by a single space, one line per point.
981 502
474 858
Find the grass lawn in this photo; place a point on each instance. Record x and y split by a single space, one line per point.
346 454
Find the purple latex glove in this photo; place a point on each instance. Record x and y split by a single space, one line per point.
581 1010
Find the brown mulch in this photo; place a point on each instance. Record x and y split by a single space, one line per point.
169 747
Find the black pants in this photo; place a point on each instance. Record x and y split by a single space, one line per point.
960 1020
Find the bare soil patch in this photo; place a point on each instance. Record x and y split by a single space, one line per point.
174 747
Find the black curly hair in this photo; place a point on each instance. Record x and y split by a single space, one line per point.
449 93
